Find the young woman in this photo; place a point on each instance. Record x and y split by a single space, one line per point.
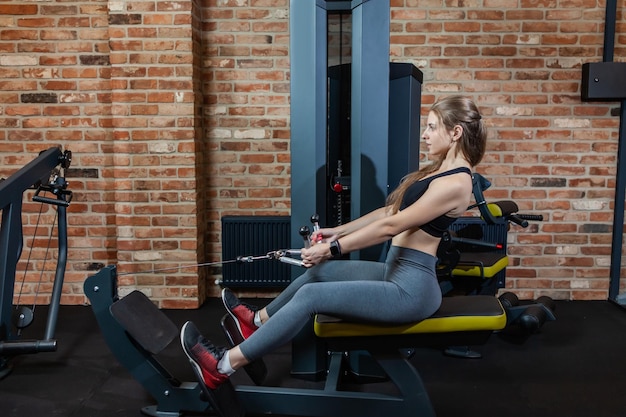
402 289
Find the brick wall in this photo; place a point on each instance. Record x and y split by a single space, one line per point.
549 152
177 114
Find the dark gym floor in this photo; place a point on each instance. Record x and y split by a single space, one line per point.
574 367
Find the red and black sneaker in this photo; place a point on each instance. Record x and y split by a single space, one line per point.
203 355
242 313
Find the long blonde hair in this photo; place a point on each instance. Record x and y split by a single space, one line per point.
451 111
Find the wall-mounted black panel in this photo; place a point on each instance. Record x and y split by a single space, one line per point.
604 81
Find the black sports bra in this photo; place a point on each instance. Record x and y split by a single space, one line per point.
437 226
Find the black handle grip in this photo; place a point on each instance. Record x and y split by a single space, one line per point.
305 232
531 217
517 220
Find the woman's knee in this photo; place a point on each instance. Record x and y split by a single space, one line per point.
308 277
307 292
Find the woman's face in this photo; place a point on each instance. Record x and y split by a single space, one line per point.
437 138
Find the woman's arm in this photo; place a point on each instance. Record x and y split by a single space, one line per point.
334 233
445 195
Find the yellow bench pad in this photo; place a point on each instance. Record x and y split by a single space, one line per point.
456 314
485 265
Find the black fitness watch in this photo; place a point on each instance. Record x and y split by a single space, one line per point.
335 249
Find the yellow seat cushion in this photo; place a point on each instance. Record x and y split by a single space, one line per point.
495 210
456 314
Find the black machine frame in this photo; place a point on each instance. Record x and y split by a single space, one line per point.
136 331
36 174
604 81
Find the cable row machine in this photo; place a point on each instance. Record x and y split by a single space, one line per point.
41 174
338 354
136 331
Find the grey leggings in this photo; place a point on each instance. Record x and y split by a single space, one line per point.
402 289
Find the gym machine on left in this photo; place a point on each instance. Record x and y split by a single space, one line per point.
44 175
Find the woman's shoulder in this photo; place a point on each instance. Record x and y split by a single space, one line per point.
451 171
